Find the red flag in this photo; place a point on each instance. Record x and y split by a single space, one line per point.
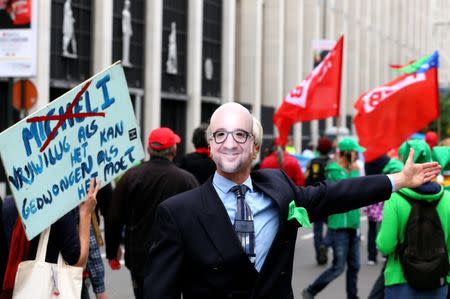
387 115
316 97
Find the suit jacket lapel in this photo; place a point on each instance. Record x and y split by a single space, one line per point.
282 200
216 223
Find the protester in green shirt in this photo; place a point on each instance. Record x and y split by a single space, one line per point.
343 228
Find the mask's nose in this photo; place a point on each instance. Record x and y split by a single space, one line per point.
230 142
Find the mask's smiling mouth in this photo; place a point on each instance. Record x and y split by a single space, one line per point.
230 154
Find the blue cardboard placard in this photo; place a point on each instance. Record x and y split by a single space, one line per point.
51 155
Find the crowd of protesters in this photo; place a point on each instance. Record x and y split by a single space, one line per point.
134 216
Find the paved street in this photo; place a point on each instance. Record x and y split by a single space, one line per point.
118 283
306 270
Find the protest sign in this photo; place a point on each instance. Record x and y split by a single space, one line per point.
50 156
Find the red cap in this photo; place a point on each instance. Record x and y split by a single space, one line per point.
162 138
324 146
431 138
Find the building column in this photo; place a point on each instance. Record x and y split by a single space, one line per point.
416 29
103 35
152 67
408 18
273 56
42 80
194 68
378 40
421 27
369 52
249 68
404 32
426 25
345 78
430 13
357 88
301 67
322 22
293 57
387 39
320 33
228 50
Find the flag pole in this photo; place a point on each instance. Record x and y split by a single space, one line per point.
338 127
338 119
439 128
438 103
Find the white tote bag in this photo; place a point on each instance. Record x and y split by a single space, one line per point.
39 279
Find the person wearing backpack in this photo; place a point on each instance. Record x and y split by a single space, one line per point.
377 291
315 173
343 228
414 235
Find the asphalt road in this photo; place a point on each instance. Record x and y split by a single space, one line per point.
118 283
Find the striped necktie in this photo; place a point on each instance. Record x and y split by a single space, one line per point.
243 224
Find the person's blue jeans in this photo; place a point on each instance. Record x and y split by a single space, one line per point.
371 238
345 243
405 291
318 235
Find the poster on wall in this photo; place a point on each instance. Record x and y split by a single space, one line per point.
18 28
50 156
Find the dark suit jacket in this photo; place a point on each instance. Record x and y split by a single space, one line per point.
196 251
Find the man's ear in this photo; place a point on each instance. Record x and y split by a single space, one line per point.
256 149
210 151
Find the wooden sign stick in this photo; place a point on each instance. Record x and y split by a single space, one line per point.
97 233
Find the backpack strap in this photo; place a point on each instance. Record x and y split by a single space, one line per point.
412 201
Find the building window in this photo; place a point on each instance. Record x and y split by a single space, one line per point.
212 48
134 71
174 12
63 67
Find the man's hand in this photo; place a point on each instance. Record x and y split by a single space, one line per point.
115 263
88 206
355 166
414 175
101 296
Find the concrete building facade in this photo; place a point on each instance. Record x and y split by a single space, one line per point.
249 51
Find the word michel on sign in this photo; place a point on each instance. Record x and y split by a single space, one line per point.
50 156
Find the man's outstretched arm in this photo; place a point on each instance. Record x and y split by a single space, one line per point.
331 198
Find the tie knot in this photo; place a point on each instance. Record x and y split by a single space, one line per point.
239 190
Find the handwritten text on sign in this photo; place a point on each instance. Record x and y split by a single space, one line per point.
50 156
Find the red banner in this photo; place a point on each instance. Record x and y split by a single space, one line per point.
389 114
316 97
